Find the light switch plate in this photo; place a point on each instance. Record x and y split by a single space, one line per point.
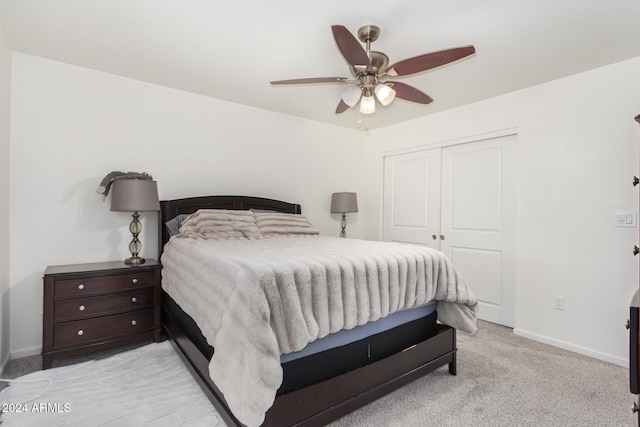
626 219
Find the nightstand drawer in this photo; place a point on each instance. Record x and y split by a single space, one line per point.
80 287
102 328
80 308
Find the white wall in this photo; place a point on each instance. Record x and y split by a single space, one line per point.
577 150
71 126
5 115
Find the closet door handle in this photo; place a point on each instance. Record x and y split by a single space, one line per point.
636 250
636 181
434 237
442 237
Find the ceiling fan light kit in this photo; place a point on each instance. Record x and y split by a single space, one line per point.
352 95
384 94
370 70
367 104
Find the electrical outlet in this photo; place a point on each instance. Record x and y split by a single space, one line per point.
558 302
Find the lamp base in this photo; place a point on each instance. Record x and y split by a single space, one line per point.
134 260
343 226
135 246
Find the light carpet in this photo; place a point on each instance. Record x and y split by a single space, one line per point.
148 386
503 380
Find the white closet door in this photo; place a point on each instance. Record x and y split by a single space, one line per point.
465 196
479 221
411 211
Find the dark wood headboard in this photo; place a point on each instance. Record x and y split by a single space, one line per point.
169 209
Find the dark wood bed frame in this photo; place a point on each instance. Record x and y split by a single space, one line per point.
320 403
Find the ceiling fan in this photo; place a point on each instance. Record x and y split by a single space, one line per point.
370 70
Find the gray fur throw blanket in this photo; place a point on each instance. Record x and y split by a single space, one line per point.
107 181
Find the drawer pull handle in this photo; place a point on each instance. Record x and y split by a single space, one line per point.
134 280
134 323
134 299
81 286
80 332
81 308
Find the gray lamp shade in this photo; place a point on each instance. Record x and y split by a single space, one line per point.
134 195
344 202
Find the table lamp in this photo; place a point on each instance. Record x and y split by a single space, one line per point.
135 195
344 203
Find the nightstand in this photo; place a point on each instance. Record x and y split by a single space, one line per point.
89 307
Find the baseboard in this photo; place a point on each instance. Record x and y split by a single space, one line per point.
26 352
606 357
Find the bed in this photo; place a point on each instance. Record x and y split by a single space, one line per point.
319 382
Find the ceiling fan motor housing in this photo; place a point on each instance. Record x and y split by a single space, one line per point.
379 62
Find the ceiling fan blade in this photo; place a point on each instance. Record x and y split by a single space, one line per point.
311 81
350 47
342 107
425 62
410 93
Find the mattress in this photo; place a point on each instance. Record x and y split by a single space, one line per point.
347 336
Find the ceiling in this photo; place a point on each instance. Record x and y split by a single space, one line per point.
230 50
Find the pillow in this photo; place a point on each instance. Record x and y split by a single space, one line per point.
173 225
220 224
273 224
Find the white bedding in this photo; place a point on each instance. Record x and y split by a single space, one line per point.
256 299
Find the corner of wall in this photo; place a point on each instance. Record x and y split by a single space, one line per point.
5 120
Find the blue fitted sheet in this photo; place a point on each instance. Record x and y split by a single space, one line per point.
347 336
